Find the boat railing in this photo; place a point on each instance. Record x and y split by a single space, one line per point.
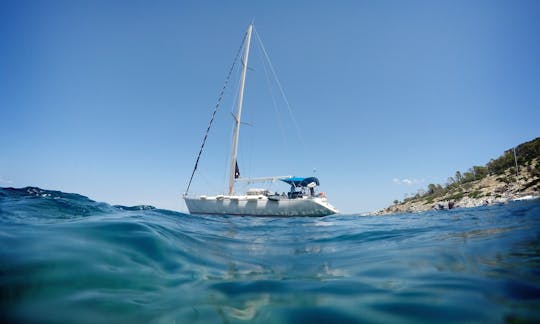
195 195
263 179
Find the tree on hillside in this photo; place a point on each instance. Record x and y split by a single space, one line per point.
458 176
480 172
528 151
499 165
468 176
431 189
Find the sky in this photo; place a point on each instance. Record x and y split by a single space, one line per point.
110 99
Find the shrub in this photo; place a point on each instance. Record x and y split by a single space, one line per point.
475 194
457 196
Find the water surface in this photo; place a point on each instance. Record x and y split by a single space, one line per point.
66 258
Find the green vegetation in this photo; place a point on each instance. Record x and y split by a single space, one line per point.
457 196
504 167
525 153
475 194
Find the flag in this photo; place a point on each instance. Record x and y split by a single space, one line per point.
236 171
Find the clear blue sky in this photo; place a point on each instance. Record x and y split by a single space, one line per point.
110 99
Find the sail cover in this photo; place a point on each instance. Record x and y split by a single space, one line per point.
300 182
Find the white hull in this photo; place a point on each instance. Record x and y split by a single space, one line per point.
259 206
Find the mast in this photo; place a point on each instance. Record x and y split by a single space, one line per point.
239 111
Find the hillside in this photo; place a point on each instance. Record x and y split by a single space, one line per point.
497 182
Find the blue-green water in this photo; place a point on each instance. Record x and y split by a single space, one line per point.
65 258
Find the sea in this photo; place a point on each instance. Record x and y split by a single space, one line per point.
65 258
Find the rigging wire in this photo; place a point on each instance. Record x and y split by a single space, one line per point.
207 182
280 87
214 112
274 102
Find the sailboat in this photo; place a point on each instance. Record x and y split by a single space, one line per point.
301 200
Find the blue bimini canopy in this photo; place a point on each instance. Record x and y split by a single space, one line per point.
300 182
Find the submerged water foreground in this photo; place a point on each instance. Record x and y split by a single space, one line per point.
65 258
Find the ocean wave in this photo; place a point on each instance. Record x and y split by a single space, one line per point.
67 258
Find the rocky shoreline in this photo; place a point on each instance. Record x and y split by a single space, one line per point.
490 190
